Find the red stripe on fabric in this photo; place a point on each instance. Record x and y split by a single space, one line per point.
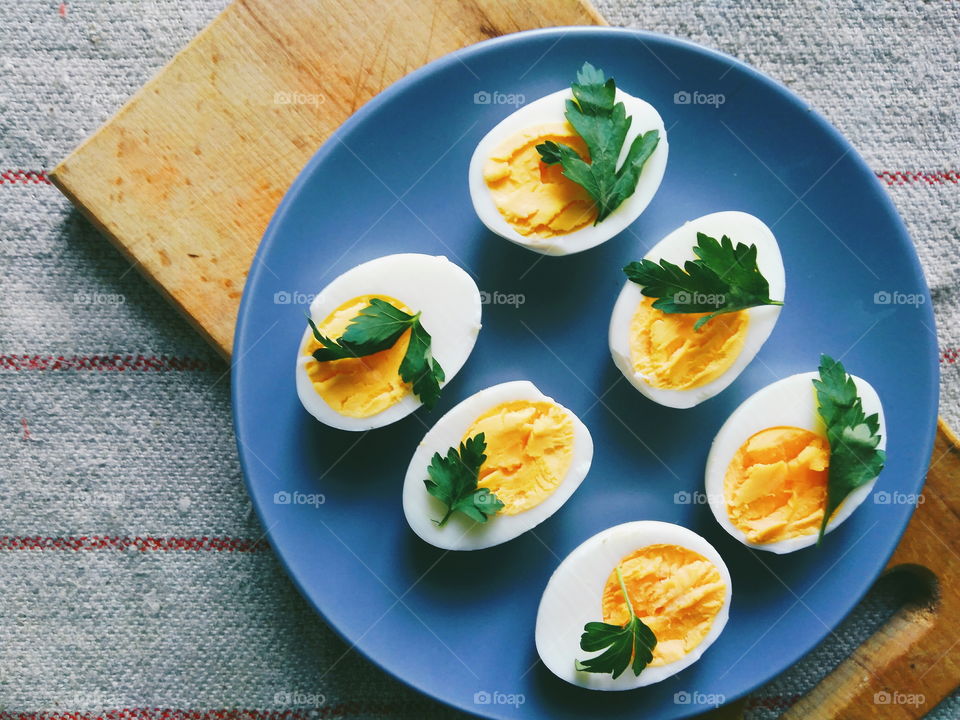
905 177
143 544
24 177
143 363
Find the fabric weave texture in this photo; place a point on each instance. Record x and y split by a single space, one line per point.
133 573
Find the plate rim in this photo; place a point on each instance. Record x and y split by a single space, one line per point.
458 56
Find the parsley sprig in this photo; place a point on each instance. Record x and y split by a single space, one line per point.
603 125
855 459
378 327
453 480
621 644
722 279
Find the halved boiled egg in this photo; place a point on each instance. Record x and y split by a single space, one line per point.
678 586
661 354
534 205
360 393
537 454
767 471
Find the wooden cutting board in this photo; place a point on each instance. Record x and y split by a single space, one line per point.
185 177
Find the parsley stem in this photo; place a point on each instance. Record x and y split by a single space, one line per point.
446 517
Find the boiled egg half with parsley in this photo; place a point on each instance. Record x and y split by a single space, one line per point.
537 205
768 468
496 465
667 356
416 315
679 590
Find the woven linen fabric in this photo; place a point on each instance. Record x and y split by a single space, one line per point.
133 574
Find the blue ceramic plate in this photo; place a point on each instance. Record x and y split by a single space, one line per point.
459 627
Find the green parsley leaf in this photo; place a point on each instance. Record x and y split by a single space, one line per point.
603 125
855 459
453 480
378 327
419 367
621 644
722 279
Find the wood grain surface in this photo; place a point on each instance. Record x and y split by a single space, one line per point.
185 177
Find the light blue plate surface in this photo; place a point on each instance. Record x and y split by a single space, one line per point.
459 627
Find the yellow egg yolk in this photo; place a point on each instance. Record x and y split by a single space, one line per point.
776 485
536 199
529 450
675 591
671 355
364 386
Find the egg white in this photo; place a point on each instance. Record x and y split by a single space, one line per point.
446 295
573 597
677 247
548 109
790 402
460 532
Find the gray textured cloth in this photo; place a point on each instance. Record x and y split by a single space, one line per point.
132 572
